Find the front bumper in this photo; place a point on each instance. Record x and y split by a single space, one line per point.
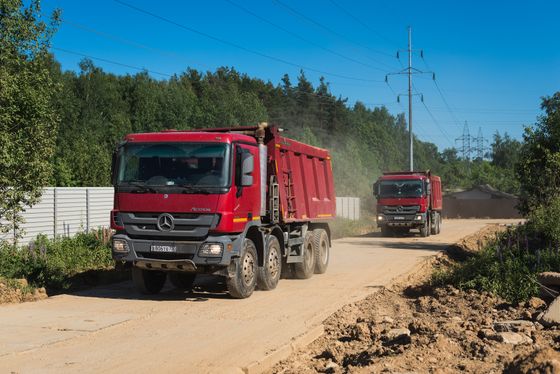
395 220
185 258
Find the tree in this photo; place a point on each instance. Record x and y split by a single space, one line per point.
28 120
538 170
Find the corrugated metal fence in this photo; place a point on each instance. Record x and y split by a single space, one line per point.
65 211
348 207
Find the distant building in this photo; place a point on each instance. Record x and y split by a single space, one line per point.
482 201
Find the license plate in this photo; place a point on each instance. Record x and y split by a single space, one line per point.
163 248
398 218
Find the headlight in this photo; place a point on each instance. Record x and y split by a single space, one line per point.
418 217
120 245
211 250
380 218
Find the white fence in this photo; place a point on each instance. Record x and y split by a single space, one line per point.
65 211
348 207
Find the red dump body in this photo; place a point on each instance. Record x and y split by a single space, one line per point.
305 179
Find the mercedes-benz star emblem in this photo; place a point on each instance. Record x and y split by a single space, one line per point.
399 208
165 222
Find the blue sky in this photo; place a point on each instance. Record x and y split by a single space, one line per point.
493 59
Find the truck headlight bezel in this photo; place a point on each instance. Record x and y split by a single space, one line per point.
211 249
380 217
120 246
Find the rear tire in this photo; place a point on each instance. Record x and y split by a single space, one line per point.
243 283
269 274
305 269
321 249
148 282
182 281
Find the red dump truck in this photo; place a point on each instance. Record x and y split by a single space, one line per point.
408 200
244 203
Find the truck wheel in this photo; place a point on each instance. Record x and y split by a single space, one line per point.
425 229
182 281
148 282
439 223
321 249
434 222
243 283
386 231
269 274
305 269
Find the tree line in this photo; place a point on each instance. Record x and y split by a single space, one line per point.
59 128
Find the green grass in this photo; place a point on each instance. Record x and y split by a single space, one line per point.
503 267
53 263
342 227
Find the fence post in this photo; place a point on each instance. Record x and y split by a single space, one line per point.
54 213
87 209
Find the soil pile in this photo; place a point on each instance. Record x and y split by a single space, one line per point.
17 291
426 329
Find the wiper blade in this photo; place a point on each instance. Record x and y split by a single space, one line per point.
142 187
189 188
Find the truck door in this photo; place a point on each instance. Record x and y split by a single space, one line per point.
247 197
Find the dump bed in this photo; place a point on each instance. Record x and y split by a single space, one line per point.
305 179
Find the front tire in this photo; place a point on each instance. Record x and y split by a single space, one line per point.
305 269
269 273
425 229
321 249
243 283
148 282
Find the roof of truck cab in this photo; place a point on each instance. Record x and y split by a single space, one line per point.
188 136
402 176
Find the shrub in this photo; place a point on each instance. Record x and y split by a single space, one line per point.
51 263
507 266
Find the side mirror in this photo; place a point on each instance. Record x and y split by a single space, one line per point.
376 189
247 167
428 188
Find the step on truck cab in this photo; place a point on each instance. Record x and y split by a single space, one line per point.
244 203
408 200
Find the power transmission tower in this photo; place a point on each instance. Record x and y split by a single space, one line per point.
480 144
410 71
465 139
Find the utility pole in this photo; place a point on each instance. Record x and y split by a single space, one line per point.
410 71
480 144
411 145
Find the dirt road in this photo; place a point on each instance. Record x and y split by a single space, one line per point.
114 329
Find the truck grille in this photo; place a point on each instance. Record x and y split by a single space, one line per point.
144 225
400 209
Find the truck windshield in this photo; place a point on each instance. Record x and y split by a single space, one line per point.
190 166
400 188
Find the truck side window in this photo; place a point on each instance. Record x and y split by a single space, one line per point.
238 162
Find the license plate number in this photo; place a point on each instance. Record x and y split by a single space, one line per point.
163 248
399 218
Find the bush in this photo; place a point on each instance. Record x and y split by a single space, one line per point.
342 227
507 266
52 263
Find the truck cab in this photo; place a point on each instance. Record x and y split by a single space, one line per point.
408 200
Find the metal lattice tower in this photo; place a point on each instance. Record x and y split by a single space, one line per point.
465 139
480 144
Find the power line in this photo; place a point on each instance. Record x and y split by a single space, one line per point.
240 47
360 21
110 61
297 36
331 31
441 129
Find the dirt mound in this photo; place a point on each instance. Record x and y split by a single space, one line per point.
17 291
424 329
543 361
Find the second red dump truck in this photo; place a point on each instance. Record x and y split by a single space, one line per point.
244 203
408 200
